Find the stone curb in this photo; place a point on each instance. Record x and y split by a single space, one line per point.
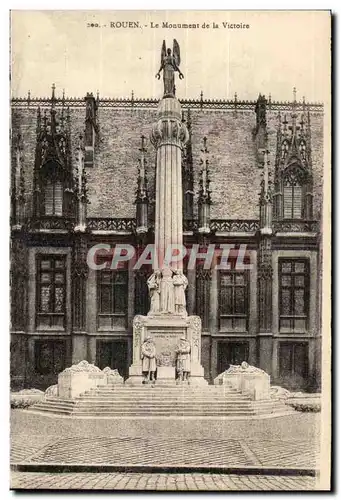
171 469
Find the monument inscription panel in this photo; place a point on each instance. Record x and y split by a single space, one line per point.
166 344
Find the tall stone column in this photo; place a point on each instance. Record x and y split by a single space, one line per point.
167 324
81 190
169 135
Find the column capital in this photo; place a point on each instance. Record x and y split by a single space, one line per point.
169 129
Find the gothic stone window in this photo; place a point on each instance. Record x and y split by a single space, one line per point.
49 356
53 198
51 292
293 295
234 304
112 298
293 194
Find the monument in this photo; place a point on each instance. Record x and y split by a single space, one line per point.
167 325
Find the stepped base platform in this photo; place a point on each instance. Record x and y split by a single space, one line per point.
154 401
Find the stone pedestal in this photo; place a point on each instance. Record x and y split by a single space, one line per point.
256 385
71 385
78 379
247 379
166 375
166 331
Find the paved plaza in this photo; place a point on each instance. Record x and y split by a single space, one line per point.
170 452
139 452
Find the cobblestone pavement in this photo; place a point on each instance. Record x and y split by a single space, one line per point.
161 482
175 452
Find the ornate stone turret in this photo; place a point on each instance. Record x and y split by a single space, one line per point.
142 200
53 176
293 173
265 253
18 197
266 197
80 187
91 129
187 173
204 200
79 254
260 131
265 270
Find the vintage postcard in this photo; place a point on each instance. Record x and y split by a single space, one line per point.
170 250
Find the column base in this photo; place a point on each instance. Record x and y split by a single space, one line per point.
135 375
166 332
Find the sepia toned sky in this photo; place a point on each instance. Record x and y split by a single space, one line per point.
280 50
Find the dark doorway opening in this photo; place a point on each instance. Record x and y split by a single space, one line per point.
293 364
231 353
113 353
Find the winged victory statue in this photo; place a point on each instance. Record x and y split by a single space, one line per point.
169 64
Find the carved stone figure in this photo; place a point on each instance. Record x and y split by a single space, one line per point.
180 283
244 368
82 366
169 64
148 356
167 291
52 391
113 376
277 392
154 291
183 360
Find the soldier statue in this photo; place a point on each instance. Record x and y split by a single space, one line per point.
183 360
169 64
148 356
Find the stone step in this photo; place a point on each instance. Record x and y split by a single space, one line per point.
173 387
165 388
169 412
165 411
150 408
153 389
160 394
162 407
193 410
53 406
160 399
149 401
52 409
153 404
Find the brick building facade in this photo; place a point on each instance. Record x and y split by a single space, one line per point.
265 167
